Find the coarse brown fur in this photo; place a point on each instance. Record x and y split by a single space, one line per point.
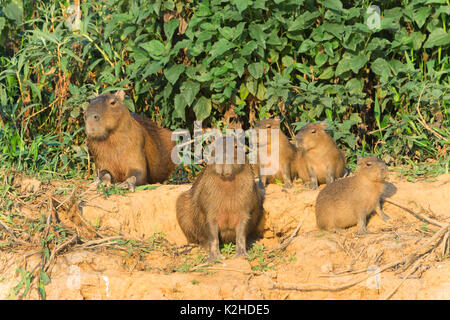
349 201
286 153
224 203
126 147
324 161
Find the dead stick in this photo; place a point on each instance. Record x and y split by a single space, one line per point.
401 282
417 215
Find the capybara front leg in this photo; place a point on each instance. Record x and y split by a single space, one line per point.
380 212
286 173
213 240
241 238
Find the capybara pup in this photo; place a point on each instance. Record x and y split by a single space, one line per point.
126 147
286 153
324 161
348 201
223 203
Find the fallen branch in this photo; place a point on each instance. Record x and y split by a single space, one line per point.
417 215
293 234
428 247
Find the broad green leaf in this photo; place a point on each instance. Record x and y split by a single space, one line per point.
239 66
257 33
320 59
170 27
202 108
189 90
155 48
332 4
173 73
256 69
328 73
438 37
380 67
248 48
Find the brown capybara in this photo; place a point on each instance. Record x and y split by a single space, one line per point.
286 153
324 161
224 202
348 201
126 147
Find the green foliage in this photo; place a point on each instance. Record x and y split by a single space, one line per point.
382 90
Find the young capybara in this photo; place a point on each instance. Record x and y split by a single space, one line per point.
348 201
286 153
324 161
224 202
126 147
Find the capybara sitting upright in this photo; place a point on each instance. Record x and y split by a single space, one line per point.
324 161
224 202
348 201
126 147
286 153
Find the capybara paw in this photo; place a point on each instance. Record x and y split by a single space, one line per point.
131 183
214 257
106 180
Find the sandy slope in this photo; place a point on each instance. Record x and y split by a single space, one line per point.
309 259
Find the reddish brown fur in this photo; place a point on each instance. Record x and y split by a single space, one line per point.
126 145
349 201
287 153
221 202
323 160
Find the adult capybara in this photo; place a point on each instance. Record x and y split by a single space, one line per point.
126 147
324 161
348 201
286 153
223 203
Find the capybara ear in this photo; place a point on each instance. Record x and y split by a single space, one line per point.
323 124
120 95
359 160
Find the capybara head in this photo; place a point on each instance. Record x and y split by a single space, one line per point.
311 136
104 114
223 167
268 124
372 168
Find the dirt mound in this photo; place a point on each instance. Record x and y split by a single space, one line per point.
312 266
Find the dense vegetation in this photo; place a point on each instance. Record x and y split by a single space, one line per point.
382 89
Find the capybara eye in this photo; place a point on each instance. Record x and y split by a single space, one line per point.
113 102
368 164
313 131
268 126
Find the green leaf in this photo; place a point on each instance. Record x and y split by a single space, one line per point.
189 90
332 4
355 85
306 46
14 11
2 23
421 15
438 37
328 73
248 48
241 5
380 67
202 108
180 106
320 59
257 33
173 73
44 277
239 66
344 65
155 48
256 69
170 27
